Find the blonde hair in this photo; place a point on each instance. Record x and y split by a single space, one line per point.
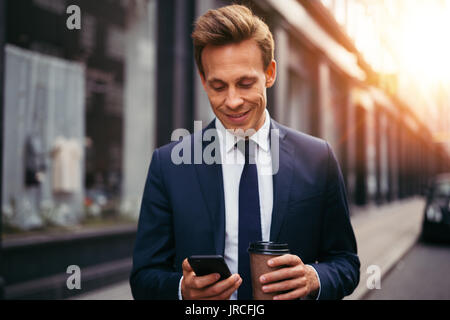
231 24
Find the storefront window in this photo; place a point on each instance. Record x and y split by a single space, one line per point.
79 109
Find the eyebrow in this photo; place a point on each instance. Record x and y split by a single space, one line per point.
246 77
251 78
215 80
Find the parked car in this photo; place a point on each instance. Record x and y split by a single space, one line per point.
436 221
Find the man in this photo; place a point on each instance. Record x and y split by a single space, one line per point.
217 208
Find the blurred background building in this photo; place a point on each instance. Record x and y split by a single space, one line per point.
84 109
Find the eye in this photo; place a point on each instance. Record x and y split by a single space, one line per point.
217 85
246 84
218 88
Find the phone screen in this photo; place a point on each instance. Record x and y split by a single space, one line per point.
207 264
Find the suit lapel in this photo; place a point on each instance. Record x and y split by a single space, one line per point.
282 179
211 185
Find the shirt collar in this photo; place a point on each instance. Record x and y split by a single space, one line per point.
261 137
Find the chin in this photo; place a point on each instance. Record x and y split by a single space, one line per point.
244 126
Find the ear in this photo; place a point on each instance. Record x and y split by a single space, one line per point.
271 74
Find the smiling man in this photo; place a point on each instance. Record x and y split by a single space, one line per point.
217 209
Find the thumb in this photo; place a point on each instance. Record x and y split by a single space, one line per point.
186 266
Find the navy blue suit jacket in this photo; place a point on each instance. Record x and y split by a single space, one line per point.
183 214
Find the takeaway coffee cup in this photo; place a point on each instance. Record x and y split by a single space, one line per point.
260 252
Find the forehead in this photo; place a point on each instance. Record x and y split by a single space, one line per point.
232 60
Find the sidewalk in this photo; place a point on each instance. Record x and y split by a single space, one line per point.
119 291
383 234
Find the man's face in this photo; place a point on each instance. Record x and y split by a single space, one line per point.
236 82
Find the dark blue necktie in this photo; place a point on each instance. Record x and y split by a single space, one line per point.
249 217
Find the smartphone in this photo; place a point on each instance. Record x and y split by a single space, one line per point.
207 264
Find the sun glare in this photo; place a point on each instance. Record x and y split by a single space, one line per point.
424 46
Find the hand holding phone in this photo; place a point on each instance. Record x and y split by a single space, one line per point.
208 283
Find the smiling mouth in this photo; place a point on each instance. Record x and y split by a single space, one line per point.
239 115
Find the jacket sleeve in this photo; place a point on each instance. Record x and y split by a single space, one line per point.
338 264
153 274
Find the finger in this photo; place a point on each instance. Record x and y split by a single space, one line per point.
200 282
283 274
188 273
286 285
294 294
222 286
227 293
284 260
186 266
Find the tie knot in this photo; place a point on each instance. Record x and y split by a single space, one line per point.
248 148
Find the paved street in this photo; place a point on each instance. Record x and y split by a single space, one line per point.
421 274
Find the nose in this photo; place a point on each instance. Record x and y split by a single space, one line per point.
233 100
